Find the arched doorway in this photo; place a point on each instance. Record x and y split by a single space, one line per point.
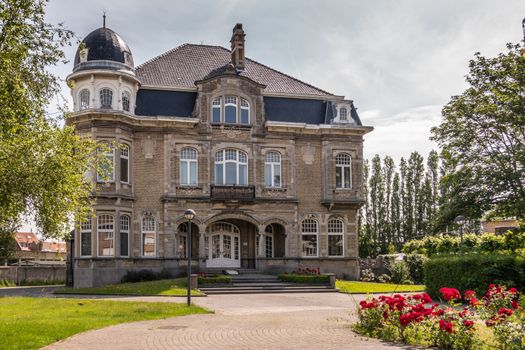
222 245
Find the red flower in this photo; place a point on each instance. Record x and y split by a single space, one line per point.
445 326
504 312
468 323
470 294
423 298
474 302
450 293
369 305
515 305
513 291
438 312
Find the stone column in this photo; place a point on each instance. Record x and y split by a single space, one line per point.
262 242
202 250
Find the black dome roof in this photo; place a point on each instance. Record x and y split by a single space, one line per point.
103 44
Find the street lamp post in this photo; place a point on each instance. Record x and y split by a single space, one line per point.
189 214
460 221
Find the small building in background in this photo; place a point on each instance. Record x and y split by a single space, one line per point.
499 226
30 248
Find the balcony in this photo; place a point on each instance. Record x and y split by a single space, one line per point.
232 193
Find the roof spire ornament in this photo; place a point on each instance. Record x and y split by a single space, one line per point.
104 19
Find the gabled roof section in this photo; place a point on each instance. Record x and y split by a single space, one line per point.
182 66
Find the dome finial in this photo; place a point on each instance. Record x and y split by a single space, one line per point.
104 19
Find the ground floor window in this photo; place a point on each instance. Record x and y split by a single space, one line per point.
149 229
309 234
106 235
85 238
269 246
124 235
335 237
309 245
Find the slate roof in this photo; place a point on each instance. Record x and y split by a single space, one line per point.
104 44
183 65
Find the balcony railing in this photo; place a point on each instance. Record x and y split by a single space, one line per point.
244 193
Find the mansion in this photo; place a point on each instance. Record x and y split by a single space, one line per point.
271 165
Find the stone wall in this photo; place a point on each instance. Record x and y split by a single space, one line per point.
19 274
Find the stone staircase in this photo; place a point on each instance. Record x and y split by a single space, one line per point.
251 283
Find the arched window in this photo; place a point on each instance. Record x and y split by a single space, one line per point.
124 234
85 237
126 100
216 110
343 114
268 240
188 166
309 235
84 99
107 168
245 112
124 163
230 109
335 237
149 230
106 98
231 167
343 171
106 235
272 169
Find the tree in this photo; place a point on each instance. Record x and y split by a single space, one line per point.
483 132
42 163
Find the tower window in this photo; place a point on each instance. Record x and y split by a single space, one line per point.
84 99
126 101
106 98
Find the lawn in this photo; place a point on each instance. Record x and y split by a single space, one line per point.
171 287
31 323
358 287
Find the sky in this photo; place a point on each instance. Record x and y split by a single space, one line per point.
399 61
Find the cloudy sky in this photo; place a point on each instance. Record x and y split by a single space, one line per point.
400 61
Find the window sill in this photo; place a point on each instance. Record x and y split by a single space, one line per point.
231 126
189 187
275 189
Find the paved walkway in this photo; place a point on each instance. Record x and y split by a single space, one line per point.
254 321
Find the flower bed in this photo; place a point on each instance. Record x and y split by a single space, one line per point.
416 319
295 278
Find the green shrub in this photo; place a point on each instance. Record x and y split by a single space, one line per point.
304 278
416 264
41 282
474 272
134 276
399 273
6 283
214 279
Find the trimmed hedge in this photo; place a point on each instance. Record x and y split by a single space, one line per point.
474 272
214 279
285 277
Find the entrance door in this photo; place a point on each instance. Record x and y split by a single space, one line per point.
223 246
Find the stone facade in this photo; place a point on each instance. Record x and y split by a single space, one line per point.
307 190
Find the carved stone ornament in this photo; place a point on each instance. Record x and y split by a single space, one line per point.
230 133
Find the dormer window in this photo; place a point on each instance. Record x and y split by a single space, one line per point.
343 114
84 99
230 110
106 98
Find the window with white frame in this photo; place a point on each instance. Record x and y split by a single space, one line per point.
126 101
106 235
309 235
272 169
124 234
343 171
335 237
343 114
106 98
231 167
230 110
106 170
149 230
183 238
188 166
85 237
84 99
268 240
124 163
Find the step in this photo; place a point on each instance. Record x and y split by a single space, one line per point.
268 291
204 289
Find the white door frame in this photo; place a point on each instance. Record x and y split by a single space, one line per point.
228 257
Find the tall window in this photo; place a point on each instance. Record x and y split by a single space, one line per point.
343 171
124 163
272 169
106 235
85 238
231 167
84 99
106 98
188 166
309 233
335 237
216 110
126 98
107 168
343 114
124 235
149 230
230 110
268 240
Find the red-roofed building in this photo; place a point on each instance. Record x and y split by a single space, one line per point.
30 247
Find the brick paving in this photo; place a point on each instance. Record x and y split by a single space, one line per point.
270 321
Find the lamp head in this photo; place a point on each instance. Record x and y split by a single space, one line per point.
189 214
460 220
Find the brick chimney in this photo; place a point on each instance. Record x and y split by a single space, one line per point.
237 42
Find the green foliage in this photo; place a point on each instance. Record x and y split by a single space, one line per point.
42 164
482 134
214 279
293 278
33 323
357 287
42 283
6 283
474 272
134 276
487 243
7 243
399 272
416 263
